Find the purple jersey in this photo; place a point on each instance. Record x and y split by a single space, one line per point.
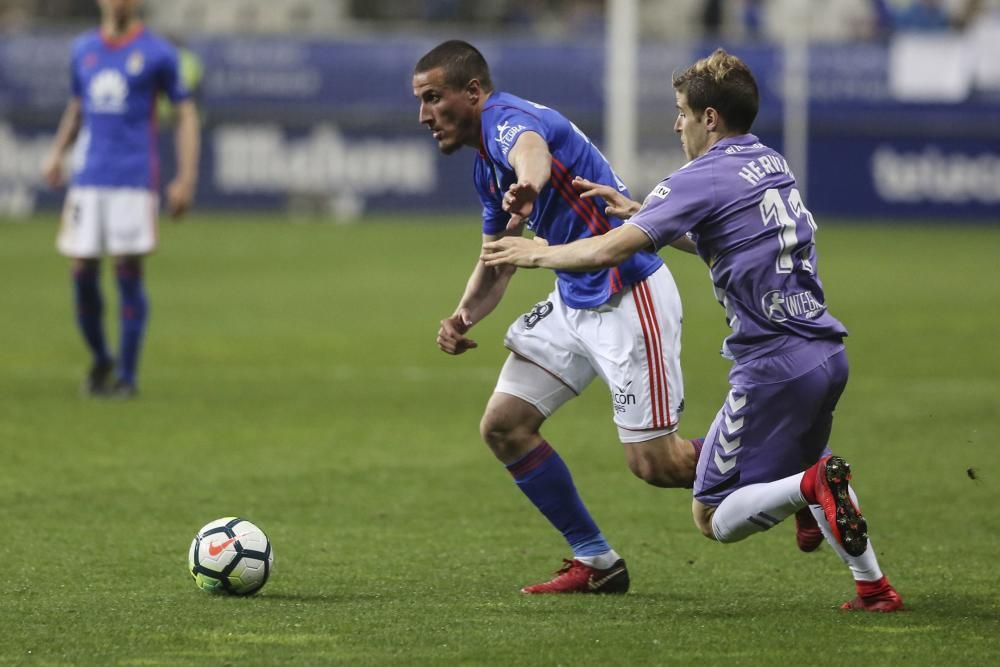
117 83
560 215
739 204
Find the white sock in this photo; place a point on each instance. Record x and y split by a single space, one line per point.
601 561
864 567
756 508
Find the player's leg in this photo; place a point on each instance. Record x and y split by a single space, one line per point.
767 426
80 239
131 235
90 320
823 488
834 497
874 592
133 312
525 396
634 342
667 461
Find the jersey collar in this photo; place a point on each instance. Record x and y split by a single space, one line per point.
124 40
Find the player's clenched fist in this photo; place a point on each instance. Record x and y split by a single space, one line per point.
451 336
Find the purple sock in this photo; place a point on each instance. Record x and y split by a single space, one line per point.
134 309
542 475
90 310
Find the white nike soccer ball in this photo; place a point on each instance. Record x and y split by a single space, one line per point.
230 555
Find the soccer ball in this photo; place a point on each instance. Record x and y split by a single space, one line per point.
230 555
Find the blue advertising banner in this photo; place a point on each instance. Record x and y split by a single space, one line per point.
332 125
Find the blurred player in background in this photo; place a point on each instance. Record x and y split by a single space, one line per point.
620 322
737 200
111 206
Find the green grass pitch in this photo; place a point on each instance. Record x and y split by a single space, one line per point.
290 376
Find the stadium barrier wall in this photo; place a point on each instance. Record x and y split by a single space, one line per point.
331 126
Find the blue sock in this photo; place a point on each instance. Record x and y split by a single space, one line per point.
133 319
543 476
90 310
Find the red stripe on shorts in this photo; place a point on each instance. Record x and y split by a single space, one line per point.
654 355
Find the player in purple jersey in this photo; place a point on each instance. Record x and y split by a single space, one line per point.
737 203
117 73
619 322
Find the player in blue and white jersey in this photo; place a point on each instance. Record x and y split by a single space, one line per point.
111 207
737 204
621 322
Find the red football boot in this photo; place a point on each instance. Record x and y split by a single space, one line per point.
878 596
849 527
807 533
576 577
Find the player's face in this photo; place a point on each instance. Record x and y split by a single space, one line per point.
451 115
693 131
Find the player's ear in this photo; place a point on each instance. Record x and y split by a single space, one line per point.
473 91
713 121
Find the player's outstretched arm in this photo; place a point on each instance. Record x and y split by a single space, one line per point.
618 204
622 207
596 252
483 291
532 163
69 128
180 192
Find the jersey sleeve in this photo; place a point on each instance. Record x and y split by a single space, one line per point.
674 207
494 217
503 127
76 86
169 78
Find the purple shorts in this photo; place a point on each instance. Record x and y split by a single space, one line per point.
776 420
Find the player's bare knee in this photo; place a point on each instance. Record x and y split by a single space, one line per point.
506 439
510 427
656 473
641 469
662 463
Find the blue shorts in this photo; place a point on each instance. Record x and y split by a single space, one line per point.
776 420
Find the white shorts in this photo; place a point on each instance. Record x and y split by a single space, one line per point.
98 221
633 342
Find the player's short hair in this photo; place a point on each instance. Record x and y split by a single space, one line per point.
725 83
461 62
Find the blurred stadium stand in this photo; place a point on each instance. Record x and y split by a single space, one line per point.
307 102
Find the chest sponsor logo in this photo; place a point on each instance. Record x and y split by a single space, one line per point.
108 91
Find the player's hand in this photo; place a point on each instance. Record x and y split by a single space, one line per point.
52 171
512 250
179 196
618 204
451 336
519 201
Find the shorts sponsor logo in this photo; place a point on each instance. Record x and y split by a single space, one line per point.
621 398
538 312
